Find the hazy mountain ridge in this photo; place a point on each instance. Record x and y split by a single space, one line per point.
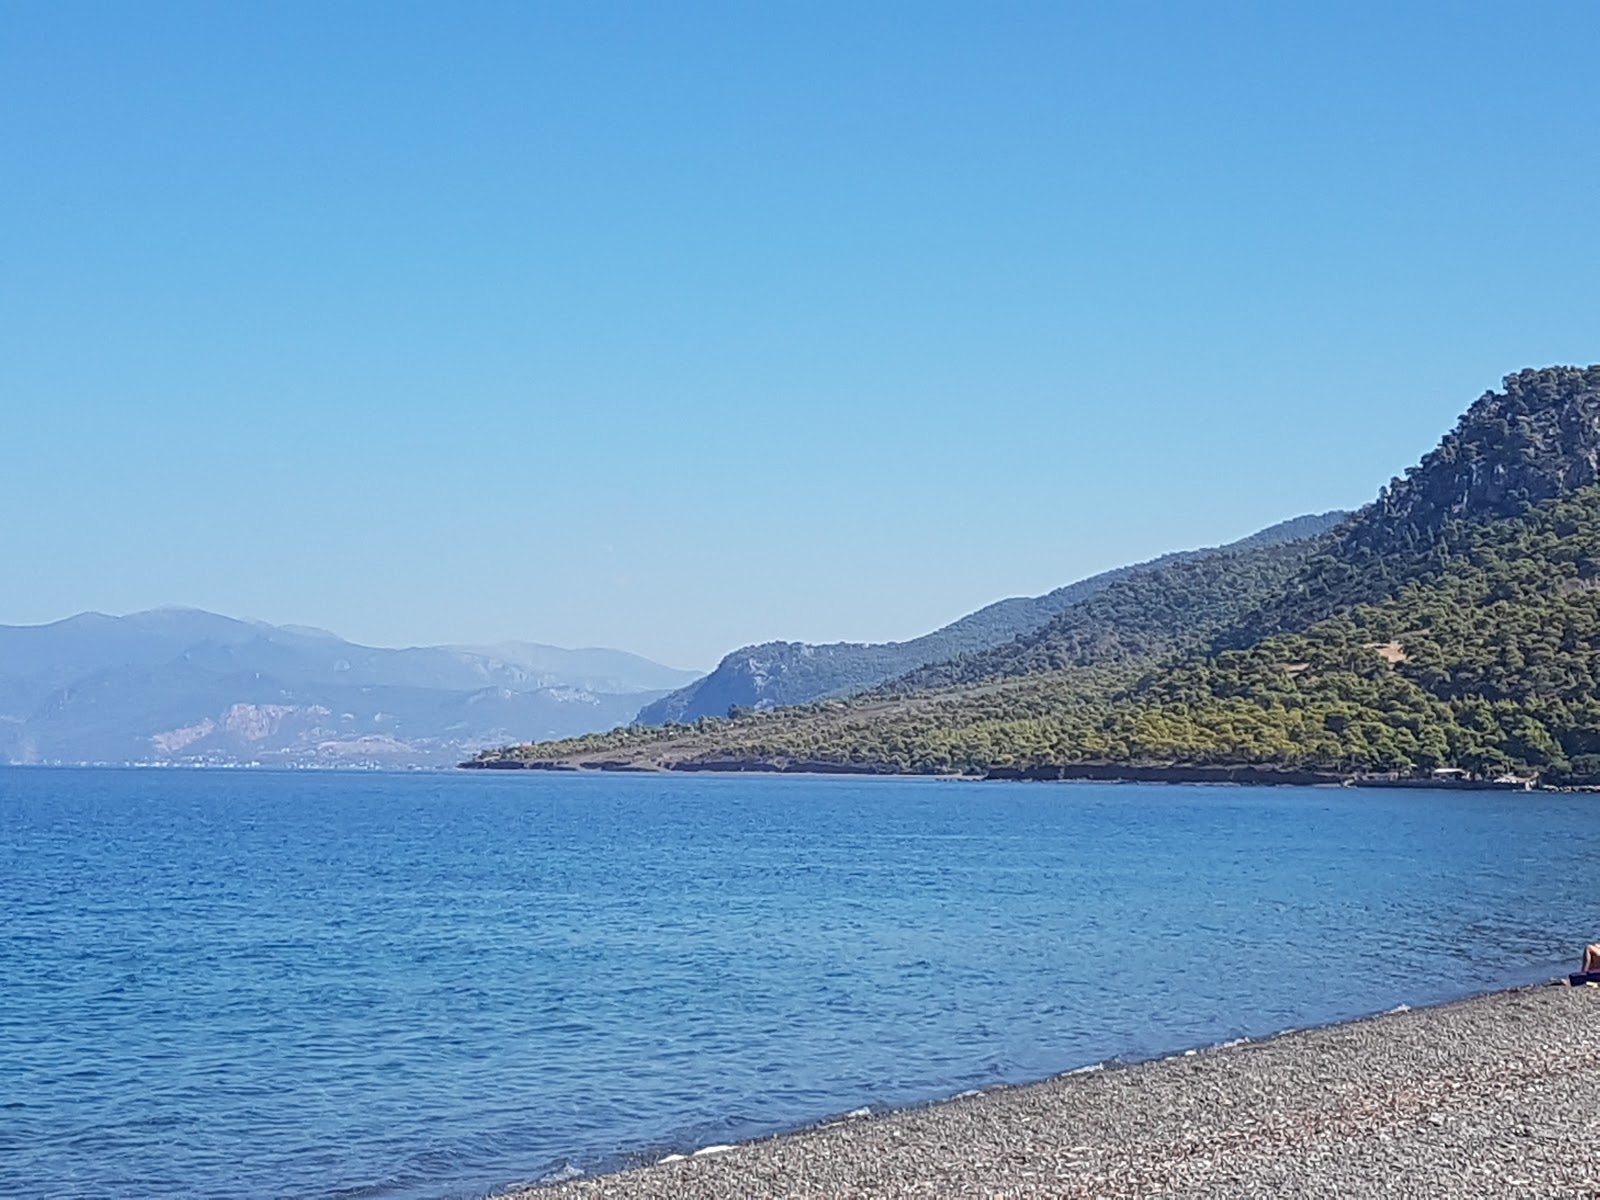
180 685
776 674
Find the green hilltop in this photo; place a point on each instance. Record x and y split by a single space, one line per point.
1452 623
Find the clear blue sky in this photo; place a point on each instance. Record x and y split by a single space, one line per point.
679 326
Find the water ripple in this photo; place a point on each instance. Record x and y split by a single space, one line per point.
432 986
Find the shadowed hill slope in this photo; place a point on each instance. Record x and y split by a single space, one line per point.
775 674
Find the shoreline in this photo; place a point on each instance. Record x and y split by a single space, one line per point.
1242 775
1490 1094
1220 775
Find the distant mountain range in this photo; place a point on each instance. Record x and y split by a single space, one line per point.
185 686
775 674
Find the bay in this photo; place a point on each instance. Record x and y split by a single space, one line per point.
433 985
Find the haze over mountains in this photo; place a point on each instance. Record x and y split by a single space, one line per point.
1454 623
186 686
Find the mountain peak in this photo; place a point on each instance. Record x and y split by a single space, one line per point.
1536 440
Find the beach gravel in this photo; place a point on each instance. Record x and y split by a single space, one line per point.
1494 1096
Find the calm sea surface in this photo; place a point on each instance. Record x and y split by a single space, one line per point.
262 984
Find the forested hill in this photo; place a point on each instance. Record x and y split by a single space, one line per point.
1537 440
775 674
1455 622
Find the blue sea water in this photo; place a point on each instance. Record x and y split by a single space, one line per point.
282 984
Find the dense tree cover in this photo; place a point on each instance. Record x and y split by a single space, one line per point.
1455 622
960 730
1500 635
1155 611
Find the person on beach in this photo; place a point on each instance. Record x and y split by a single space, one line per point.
1591 958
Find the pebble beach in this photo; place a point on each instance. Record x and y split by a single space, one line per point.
1498 1095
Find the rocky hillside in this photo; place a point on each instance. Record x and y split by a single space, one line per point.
1535 441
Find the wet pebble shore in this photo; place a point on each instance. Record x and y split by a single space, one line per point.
1497 1095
